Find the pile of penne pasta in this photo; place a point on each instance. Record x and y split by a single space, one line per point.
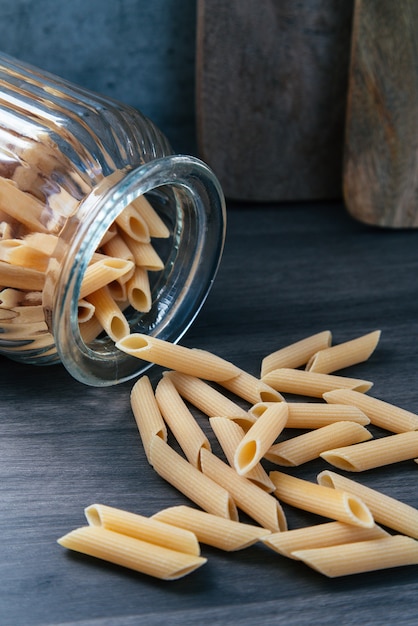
116 278
368 530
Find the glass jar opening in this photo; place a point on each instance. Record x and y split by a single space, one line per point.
180 268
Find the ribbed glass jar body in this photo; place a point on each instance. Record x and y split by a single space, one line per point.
103 230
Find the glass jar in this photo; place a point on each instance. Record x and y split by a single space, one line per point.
78 173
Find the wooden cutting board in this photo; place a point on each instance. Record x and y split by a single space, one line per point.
271 95
381 151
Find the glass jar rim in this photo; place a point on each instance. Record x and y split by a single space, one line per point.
202 233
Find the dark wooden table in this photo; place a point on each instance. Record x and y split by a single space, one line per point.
287 271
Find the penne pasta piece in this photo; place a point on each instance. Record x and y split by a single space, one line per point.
133 225
6 230
118 291
21 277
368 455
210 401
10 298
386 510
381 413
340 505
229 435
90 330
156 226
198 487
187 360
145 255
147 413
138 291
309 446
132 553
18 252
317 414
320 536
32 298
25 314
362 556
21 206
181 422
255 502
301 382
144 528
117 248
260 437
109 314
111 232
250 388
296 354
85 311
42 241
218 532
99 274
344 354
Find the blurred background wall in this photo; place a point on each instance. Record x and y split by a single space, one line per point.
141 52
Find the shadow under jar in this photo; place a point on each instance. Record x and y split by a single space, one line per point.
103 230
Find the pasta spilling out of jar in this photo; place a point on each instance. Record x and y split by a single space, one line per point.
231 472
117 277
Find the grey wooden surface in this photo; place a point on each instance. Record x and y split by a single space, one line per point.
287 271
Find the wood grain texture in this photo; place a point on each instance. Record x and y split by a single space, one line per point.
381 147
287 271
271 95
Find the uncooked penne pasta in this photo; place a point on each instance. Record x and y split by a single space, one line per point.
368 455
99 274
19 252
147 413
317 414
156 226
85 311
218 532
90 329
251 389
10 298
208 400
229 435
21 277
309 446
340 505
385 510
133 224
23 207
301 382
319 536
181 421
187 360
296 354
109 314
140 527
198 487
260 437
32 298
344 354
255 502
138 291
117 247
145 255
381 413
132 553
26 314
42 241
6 231
118 291
362 556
